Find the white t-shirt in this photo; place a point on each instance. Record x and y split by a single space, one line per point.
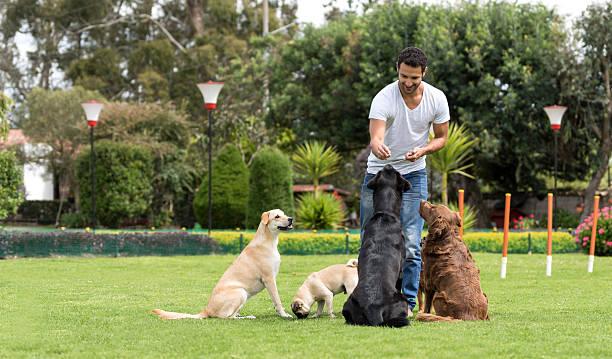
406 128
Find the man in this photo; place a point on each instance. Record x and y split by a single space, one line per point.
400 119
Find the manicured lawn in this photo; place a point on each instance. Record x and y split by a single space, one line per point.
100 308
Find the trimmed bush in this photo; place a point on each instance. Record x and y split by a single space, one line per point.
230 191
43 212
75 220
270 185
47 244
334 243
10 181
123 182
319 212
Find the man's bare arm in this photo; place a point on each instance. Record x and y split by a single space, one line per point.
377 139
439 140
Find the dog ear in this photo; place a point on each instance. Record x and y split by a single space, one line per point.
372 183
404 184
265 217
458 219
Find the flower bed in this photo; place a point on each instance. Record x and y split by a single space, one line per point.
603 239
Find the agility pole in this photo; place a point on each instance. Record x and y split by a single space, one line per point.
549 242
461 213
593 234
506 228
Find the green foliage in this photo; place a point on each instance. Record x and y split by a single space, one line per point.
10 182
324 211
519 242
454 157
166 134
75 220
123 181
5 106
603 234
314 160
270 185
470 215
41 211
230 184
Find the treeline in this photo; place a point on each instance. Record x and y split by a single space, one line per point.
499 63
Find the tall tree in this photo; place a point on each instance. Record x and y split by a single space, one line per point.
588 87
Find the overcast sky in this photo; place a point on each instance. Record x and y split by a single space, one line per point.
313 10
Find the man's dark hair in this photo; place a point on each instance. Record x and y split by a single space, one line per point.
413 57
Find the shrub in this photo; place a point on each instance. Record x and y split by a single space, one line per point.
270 185
603 238
230 185
334 243
319 212
43 212
469 215
10 181
123 182
524 223
75 220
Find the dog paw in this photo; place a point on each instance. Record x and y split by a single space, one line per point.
410 314
332 315
285 315
315 316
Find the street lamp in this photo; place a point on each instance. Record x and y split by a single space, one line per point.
555 114
92 111
210 91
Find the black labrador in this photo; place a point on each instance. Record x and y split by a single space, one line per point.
377 300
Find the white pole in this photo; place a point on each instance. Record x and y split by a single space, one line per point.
591 260
503 267
548 265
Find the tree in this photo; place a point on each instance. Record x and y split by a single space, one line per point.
5 106
454 157
587 86
270 185
56 120
10 182
230 184
314 160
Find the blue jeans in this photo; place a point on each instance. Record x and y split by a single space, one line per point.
412 223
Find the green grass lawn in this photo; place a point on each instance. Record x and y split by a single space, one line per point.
101 308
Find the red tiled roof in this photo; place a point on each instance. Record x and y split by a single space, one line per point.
15 137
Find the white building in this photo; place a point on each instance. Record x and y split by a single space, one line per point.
37 180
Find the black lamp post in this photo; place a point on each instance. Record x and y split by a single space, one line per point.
210 91
555 114
92 111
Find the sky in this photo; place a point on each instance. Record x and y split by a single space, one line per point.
313 11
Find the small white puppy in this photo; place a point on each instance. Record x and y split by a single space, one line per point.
321 287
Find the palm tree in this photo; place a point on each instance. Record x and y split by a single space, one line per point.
315 160
453 157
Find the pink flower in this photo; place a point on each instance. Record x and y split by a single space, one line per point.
577 240
515 226
601 230
609 244
520 217
522 227
585 239
531 216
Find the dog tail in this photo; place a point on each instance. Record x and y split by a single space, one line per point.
426 317
352 262
172 315
396 322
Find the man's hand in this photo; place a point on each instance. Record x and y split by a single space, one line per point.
380 150
415 154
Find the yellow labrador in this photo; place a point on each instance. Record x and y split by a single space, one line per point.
321 287
255 268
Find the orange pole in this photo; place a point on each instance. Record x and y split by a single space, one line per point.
594 231
461 213
506 226
550 224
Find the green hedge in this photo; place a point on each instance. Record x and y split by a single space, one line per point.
49 244
45 244
335 243
43 212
